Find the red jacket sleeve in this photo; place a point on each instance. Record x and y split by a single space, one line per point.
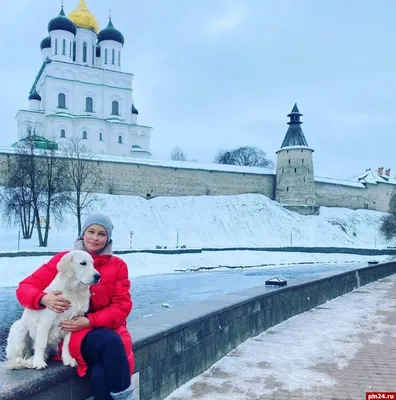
116 313
31 289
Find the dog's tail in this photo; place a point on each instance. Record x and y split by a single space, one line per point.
17 349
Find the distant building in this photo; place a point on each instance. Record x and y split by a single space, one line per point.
295 184
81 91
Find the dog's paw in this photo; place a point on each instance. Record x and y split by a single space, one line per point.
70 361
39 364
27 363
16 363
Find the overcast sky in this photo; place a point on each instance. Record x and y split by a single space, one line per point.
217 74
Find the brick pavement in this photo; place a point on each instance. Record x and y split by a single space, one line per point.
373 368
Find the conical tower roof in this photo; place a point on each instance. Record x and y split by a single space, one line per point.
294 135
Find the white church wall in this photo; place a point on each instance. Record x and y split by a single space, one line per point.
109 51
54 126
30 119
88 37
53 87
61 45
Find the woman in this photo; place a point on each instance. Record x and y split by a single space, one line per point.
100 341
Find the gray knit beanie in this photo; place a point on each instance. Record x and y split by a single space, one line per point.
98 219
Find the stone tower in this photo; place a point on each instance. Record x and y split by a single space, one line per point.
295 187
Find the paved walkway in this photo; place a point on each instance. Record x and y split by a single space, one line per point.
339 351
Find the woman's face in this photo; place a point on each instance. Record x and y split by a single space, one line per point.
95 238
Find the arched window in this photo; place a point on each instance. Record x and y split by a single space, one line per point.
114 108
89 104
84 136
119 139
56 46
64 47
101 136
61 100
112 56
63 133
85 52
119 58
105 56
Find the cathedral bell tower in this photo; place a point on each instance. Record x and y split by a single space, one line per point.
295 186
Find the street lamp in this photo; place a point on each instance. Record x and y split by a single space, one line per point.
130 238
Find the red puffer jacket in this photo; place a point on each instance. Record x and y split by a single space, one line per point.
110 302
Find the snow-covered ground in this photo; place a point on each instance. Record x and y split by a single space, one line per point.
202 221
215 221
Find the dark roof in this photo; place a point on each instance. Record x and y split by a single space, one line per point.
34 96
295 109
110 33
134 109
62 23
294 135
45 43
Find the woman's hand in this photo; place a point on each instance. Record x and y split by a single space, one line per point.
75 324
55 302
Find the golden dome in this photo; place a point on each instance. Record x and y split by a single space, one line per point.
83 18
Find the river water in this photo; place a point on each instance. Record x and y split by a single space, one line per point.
149 293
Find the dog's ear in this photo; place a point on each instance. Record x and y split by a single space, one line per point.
65 262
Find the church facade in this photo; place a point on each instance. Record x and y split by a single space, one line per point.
81 90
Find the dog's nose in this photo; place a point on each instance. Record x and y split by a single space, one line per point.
96 277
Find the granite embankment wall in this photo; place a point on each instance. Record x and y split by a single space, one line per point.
176 345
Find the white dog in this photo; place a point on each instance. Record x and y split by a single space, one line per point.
37 334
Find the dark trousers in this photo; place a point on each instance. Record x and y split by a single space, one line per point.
108 366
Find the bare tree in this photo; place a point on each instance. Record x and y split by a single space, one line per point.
84 176
388 222
55 186
36 186
247 156
17 208
20 197
178 154
225 157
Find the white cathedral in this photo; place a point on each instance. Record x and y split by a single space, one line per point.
81 91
